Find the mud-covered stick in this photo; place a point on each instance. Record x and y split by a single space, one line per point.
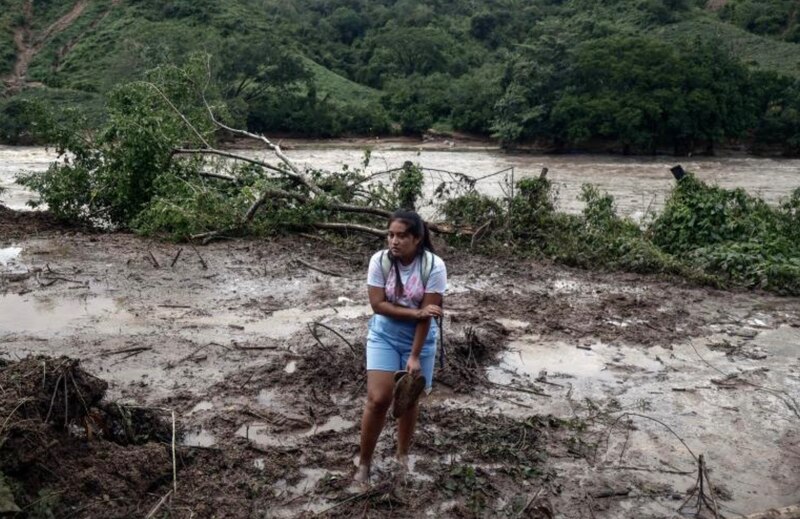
175 259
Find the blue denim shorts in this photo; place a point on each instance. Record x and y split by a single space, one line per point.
389 346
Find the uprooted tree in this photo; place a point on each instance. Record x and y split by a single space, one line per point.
155 166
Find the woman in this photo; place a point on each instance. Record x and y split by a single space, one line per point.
406 284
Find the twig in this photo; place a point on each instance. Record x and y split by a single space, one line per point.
520 404
318 269
66 404
202 261
53 398
133 351
213 151
324 346
515 388
702 477
787 399
153 259
374 491
175 259
153 510
174 458
646 469
477 235
253 348
197 350
623 415
175 109
530 502
5 422
352 348
350 227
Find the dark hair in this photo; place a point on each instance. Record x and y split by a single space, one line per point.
418 229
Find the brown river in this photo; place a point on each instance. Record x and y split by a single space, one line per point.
637 183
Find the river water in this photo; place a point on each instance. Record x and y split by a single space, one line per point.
637 183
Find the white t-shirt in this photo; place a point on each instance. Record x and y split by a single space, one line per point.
410 275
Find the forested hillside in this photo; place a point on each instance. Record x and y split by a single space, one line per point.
630 76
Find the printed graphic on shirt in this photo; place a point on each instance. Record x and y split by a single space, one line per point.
411 277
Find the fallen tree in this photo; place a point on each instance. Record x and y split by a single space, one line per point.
155 167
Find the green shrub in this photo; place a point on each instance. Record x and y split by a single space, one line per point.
732 234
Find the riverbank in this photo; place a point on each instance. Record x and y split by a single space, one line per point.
548 376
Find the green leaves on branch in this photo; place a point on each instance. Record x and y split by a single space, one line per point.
705 233
732 234
112 174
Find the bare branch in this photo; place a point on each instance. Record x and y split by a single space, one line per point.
350 227
296 173
221 176
270 193
220 153
350 208
175 109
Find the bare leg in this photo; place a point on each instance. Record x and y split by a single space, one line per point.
405 432
379 397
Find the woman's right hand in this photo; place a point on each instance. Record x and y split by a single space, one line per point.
429 311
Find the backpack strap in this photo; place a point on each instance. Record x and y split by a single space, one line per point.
426 266
386 265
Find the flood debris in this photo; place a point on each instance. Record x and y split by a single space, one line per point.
62 446
701 499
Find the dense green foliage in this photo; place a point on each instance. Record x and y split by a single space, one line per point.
705 233
114 173
733 234
663 75
777 18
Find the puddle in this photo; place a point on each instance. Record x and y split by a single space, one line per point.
9 254
280 324
586 370
199 438
262 435
9 260
31 315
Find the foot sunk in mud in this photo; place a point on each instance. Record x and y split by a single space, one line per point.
407 389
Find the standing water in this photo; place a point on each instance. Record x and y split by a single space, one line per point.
637 183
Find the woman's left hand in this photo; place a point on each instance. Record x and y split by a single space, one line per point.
413 366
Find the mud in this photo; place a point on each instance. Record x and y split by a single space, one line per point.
554 401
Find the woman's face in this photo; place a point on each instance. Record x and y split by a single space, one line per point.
402 244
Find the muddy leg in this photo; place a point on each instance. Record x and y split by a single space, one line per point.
405 432
379 398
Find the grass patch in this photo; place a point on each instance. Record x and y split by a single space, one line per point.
339 88
760 52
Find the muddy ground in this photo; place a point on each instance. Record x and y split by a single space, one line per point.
564 393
